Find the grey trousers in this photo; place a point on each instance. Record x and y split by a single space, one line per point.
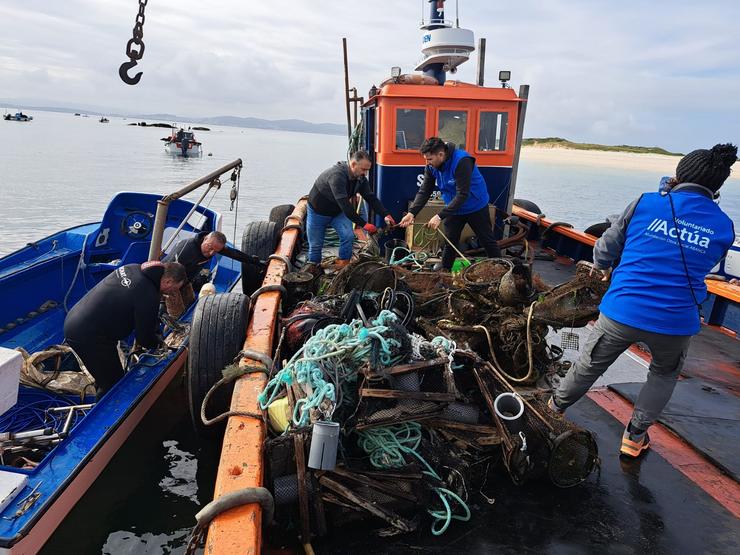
607 341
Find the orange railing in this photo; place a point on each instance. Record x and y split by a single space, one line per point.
719 288
241 466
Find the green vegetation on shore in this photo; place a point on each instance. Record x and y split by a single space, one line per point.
557 142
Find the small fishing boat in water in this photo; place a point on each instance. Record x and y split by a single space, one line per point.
183 143
18 116
104 120
55 437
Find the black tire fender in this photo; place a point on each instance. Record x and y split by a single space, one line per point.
279 213
258 239
216 336
527 205
597 230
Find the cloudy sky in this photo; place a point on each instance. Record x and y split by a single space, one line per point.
661 73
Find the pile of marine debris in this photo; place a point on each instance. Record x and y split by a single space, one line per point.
401 390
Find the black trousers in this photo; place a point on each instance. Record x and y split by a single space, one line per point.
101 359
480 223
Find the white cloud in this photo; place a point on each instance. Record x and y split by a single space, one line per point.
662 72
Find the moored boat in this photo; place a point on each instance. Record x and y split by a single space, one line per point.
183 143
56 439
104 120
18 116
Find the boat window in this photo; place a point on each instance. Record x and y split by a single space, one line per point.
410 128
453 125
492 134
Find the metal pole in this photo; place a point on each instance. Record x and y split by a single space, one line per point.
187 216
354 103
524 97
346 87
481 60
160 218
203 180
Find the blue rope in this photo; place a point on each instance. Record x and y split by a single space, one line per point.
29 413
417 258
387 446
336 349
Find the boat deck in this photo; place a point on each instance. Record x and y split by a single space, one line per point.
643 506
680 497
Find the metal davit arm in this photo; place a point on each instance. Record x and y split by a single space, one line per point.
160 219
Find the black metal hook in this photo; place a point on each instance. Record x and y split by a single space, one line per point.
123 73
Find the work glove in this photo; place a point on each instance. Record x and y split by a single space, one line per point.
389 220
370 228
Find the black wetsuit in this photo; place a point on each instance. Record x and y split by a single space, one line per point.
187 252
124 301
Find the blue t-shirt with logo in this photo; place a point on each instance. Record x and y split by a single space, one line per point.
650 289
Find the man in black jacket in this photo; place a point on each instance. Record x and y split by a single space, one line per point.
126 300
329 205
194 253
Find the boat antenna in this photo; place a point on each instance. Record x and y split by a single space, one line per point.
444 46
457 14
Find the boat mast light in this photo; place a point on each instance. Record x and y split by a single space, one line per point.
504 76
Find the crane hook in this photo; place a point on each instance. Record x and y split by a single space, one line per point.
123 72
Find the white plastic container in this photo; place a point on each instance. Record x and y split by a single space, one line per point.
11 362
11 483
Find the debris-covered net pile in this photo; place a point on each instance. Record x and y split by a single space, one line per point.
402 390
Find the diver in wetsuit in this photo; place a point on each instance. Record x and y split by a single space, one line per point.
126 300
195 252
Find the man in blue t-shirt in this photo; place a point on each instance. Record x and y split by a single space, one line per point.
462 187
666 243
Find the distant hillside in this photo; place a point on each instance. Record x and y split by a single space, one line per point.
280 124
297 125
557 142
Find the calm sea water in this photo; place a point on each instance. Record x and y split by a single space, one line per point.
60 170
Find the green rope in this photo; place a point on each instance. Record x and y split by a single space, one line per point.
417 258
337 349
387 446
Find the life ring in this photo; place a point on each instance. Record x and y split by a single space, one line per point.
410 79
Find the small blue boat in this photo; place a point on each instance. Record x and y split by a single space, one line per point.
54 444
18 116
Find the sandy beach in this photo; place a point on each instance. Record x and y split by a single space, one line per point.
623 160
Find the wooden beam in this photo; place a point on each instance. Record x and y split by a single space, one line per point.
410 367
370 506
300 463
375 484
413 395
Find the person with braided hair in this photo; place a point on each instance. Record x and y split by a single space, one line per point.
666 243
